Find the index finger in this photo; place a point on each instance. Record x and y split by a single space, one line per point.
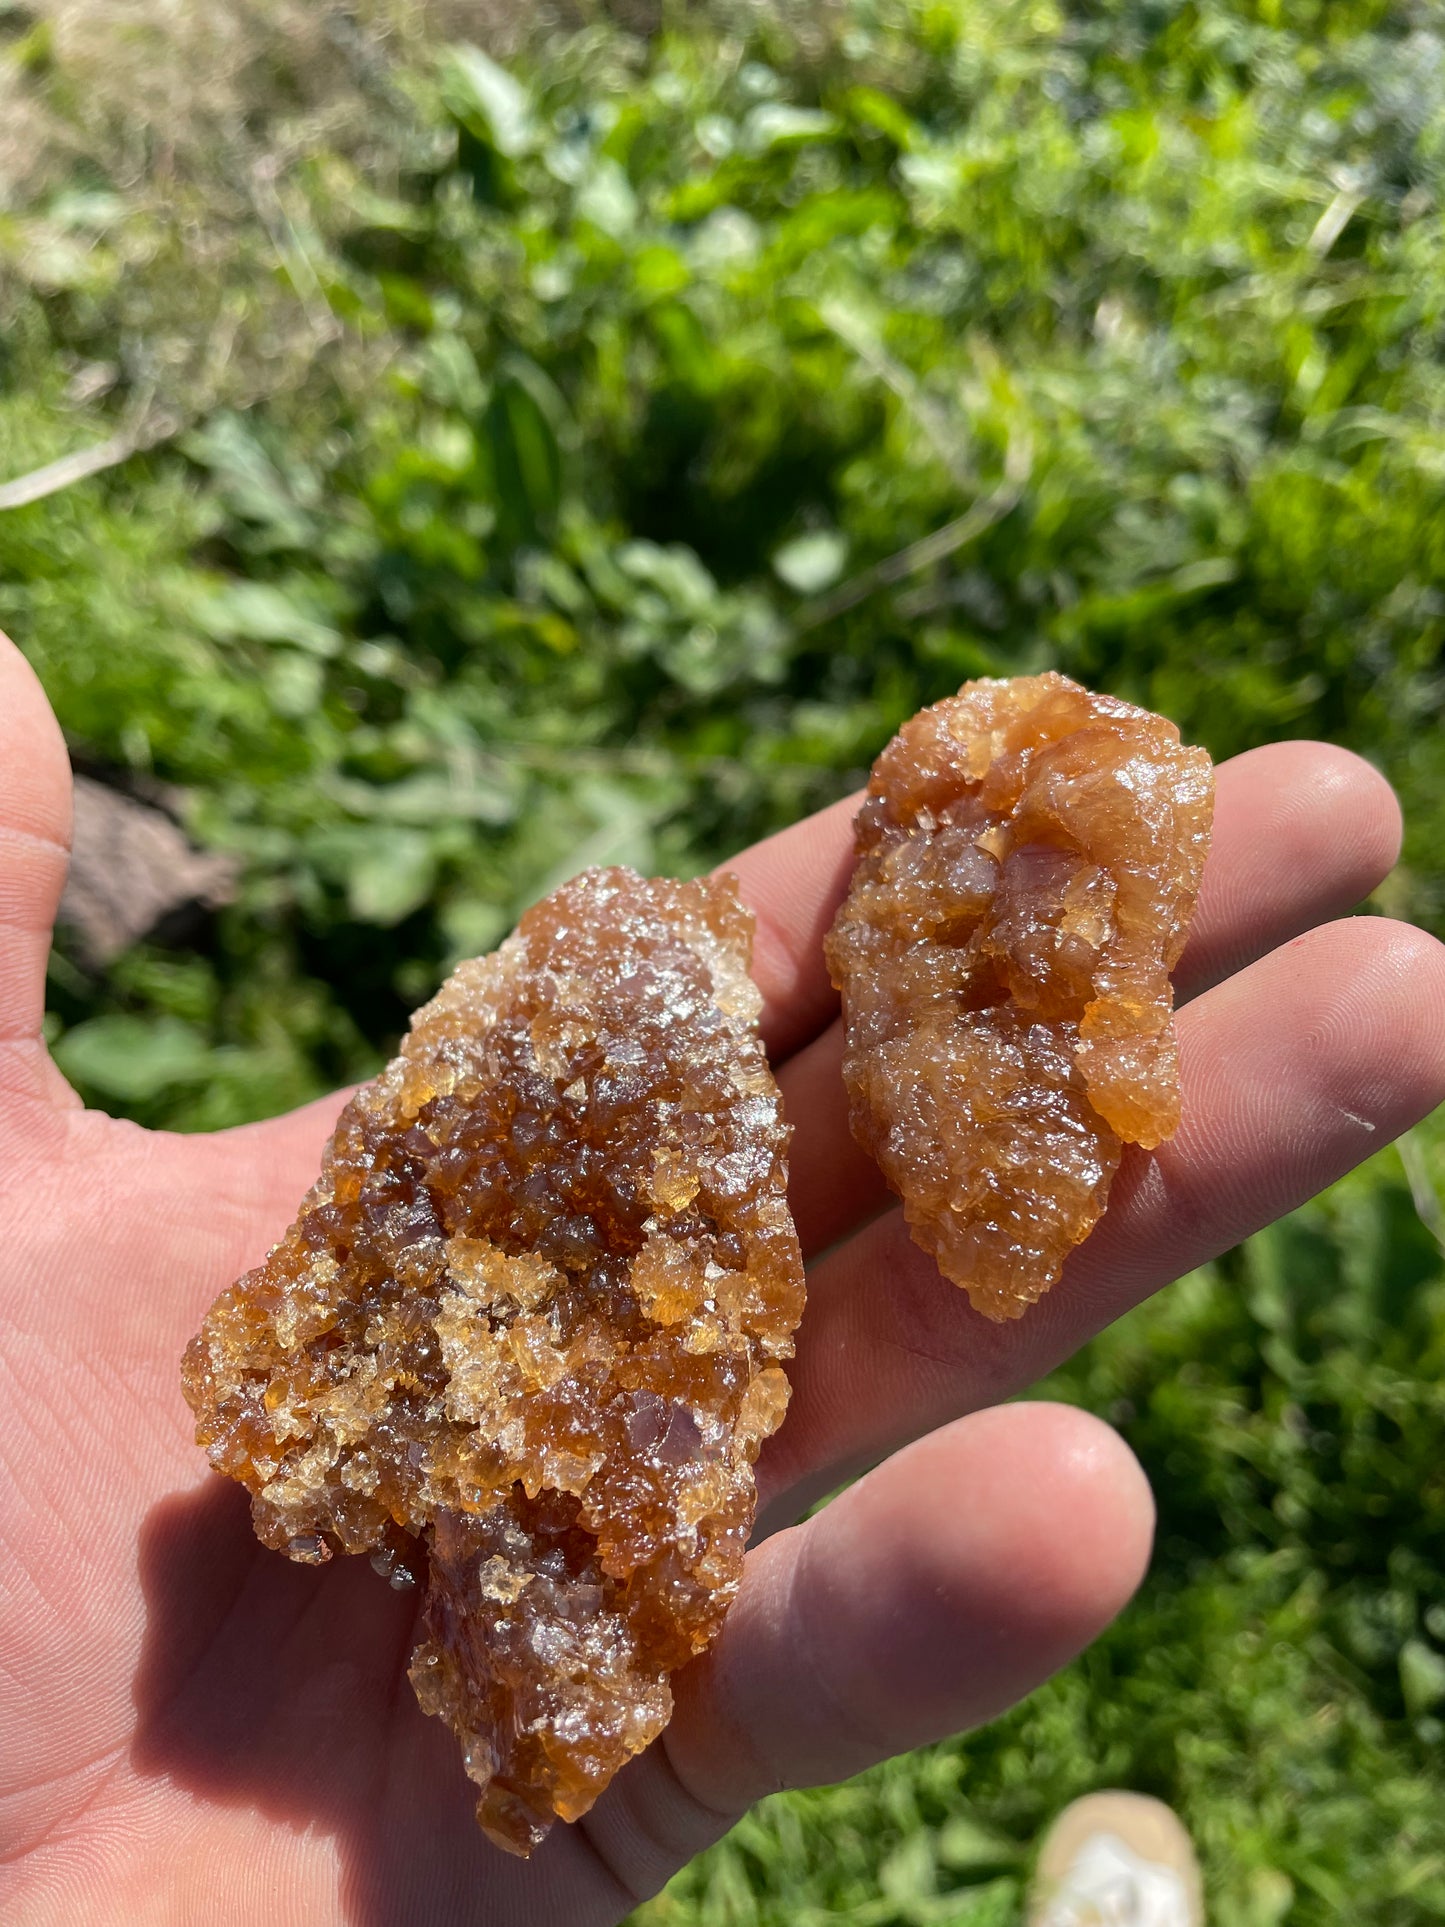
793 883
1302 831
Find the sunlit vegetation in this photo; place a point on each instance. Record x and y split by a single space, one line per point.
593 457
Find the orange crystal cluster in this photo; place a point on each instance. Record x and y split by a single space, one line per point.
524 1338
1027 862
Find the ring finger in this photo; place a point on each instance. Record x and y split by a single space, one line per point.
1294 1070
1302 831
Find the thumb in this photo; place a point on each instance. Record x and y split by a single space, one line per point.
35 819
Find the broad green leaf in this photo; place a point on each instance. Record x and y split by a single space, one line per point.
910 1872
1422 1676
294 683
527 461
391 875
250 481
773 123
607 200
812 562
424 800
133 1058
492 100
967 1847
265 612
472 927
674 571
620 832
877 109
450 374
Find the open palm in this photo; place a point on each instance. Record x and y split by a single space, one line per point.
192 1729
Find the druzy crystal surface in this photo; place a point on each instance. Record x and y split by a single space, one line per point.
526 1335
1027 861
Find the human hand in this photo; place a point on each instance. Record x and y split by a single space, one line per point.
191 1729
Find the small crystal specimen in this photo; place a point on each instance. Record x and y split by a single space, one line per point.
523 1340
1027 862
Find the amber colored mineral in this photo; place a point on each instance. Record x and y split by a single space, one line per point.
523 1340
1027 861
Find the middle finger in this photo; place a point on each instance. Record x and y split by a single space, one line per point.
1293 1071
1302 831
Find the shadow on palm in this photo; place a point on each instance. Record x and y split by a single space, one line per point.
279 1688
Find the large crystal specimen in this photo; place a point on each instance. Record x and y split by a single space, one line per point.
1027 862
523 1340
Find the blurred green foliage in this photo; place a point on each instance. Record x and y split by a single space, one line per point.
597 466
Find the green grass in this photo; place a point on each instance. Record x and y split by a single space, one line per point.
548 441
1278 1680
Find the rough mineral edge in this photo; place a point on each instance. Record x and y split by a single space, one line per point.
525 1336
1027 863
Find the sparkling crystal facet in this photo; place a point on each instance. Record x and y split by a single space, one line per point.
524 1339
1027 862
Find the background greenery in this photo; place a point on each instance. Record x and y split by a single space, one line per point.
590 450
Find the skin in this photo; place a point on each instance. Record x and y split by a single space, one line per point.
191 1728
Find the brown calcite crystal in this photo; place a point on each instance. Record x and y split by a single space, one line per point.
526 1335
1027 861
